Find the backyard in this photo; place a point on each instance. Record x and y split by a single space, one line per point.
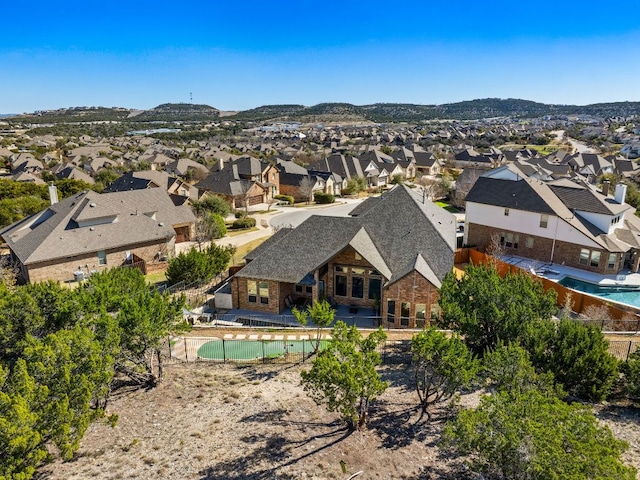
224 421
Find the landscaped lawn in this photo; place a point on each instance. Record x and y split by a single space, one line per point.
156 277
242 250
233 233
448 207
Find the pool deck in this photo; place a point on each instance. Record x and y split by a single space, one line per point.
556 272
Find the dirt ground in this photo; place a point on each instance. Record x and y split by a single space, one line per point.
223 421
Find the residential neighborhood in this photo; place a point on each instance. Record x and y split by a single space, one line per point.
228 272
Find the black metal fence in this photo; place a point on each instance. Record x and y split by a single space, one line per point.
294 350
207 349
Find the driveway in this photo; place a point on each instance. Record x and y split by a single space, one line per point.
294 216
280 216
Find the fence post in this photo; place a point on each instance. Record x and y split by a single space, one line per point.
186 352
169 344
224 352
263 355
303 354
628 351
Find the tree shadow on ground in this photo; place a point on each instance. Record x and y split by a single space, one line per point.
399 425
276 451
280 416
250 466
264 372
443 472
400 376
621 414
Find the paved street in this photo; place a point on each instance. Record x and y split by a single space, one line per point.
278 217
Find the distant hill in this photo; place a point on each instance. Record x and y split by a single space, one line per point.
176 112
74 114
377 112
268 111
406 112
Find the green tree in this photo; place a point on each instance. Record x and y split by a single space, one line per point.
106 177
321 315
195 266
22 448
578 356
211 204
531 436
19 317
355 185
344 377
486 308
442 366
397 179
631 376
508 368
145 323
76 376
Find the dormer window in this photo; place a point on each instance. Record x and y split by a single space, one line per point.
506 212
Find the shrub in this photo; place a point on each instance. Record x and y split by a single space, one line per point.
218 227
321 197
212 204
193 266
286 198
241 214
578 356
246 222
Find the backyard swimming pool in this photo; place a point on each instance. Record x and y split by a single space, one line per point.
628 294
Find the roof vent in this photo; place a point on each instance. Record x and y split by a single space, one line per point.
161 224
92 228
92 204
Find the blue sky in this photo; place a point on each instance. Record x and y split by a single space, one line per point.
240 55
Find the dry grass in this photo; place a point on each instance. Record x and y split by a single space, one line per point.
221 421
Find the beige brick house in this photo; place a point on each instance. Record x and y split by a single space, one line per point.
89 232
390 255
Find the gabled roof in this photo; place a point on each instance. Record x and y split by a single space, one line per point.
346 167
520 195
225 182
584 199
549 198
140 180
55 232
390 232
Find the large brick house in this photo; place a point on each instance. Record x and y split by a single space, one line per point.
244 182
561 221
89 232
390 255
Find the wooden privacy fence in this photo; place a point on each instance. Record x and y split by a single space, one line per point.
612 316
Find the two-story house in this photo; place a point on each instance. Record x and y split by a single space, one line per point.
561 222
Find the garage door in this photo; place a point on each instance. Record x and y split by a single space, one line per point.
256 199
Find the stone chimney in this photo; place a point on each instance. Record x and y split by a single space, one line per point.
605 188
621 193
53 194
